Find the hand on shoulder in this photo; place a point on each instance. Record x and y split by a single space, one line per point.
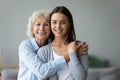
80 48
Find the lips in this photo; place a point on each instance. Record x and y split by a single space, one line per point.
42 33
58 31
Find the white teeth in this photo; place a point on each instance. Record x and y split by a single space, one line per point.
58 31
42 33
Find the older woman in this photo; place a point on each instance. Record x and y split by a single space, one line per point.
30 66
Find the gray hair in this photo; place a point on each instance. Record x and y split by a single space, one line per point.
33 18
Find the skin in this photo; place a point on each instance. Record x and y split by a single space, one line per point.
41 30
59 27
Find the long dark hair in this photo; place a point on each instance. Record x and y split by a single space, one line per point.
71 32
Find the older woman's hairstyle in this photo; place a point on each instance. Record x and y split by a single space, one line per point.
71 32
33 18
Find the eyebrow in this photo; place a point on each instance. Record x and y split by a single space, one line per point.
60 20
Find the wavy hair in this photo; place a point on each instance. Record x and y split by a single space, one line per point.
33 18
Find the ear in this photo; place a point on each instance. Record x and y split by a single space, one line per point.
32 30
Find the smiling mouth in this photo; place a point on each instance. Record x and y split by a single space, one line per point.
58 31
42 33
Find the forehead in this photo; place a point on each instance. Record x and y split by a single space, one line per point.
42 19
59 16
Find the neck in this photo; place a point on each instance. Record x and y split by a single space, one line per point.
41 42
58 42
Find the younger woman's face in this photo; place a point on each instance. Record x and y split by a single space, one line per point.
59 24
41 29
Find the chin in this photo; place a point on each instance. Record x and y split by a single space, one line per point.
42 38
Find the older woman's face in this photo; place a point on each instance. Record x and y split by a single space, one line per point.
41 29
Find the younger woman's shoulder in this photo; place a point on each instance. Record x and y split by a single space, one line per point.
45 51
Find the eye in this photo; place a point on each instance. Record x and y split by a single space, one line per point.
46 24
63 22
38 24
53 22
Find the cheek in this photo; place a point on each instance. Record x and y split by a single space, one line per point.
48 29
34 30
66 28
52 27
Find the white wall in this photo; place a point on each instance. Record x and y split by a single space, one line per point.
96 21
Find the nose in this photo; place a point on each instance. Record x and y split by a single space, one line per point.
58 25
41 27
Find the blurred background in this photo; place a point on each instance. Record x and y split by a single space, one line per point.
96 21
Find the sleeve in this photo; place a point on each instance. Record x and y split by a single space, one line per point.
39 68
78 66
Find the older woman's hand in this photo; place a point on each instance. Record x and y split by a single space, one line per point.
83 48
73 47
80 48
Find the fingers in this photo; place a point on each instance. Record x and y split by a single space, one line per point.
79 47
78 44
83 48
83 45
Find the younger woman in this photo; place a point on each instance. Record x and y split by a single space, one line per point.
64 44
